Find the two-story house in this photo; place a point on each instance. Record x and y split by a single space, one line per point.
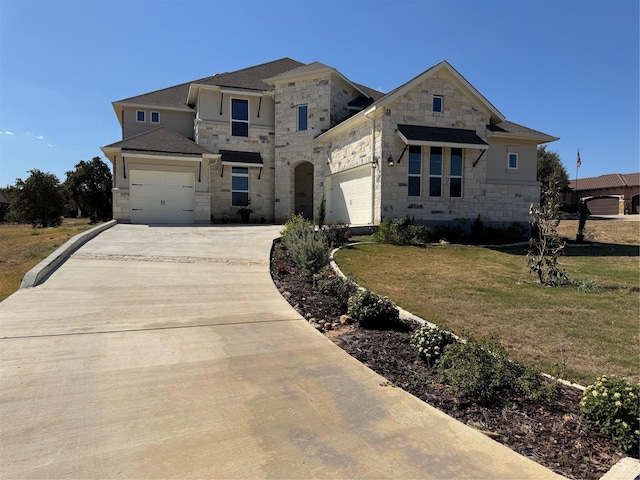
283 135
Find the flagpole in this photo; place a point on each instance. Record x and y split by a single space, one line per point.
577 169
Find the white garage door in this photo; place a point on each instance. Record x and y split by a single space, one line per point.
349 197
162 197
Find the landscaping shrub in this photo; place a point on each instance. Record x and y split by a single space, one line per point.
481 371
402 231
336 234
430 343
610 406
496 235
371 310
338 287
306 247
449 232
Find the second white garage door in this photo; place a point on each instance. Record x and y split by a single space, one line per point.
162 197
349 196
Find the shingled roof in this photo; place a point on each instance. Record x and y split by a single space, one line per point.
603 182
516 129
159 141
251 78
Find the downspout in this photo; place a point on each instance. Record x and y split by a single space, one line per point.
373 164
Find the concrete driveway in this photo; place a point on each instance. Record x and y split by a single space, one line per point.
166 352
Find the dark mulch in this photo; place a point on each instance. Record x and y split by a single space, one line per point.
552 435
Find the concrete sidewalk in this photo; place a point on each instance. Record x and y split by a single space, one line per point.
167 352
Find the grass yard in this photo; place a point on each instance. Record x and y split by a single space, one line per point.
489 292
23 247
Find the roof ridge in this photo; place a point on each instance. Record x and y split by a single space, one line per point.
257 66
163 89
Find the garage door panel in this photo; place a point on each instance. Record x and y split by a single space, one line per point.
162 197
350 195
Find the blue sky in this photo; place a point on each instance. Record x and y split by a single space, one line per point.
569 68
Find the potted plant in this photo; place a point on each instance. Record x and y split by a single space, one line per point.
244 211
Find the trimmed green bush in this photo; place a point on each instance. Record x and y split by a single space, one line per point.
402 231
338 287
306 247
336 234
610 406
481 371
371 310
430 343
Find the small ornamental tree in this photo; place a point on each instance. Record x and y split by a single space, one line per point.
546 246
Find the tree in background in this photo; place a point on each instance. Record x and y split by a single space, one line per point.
551 172
88 189
38 200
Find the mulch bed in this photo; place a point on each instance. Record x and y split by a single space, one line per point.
551 435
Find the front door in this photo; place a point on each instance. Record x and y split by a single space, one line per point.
304 190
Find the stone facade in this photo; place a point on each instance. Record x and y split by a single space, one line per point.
327 100
121 205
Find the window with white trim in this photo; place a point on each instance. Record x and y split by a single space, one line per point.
435 172
239 117
155 117
415 171
455 173
303 118
239 186
512 161
140 116
438 102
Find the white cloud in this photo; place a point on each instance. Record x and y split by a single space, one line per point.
40 137
49 145
7 133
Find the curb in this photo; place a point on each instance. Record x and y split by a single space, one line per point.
46 267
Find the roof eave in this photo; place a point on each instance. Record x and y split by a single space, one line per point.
518 136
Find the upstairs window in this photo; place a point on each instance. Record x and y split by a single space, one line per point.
435 172
239 186
140 116
513 161
155 117
239 117
302 118
415 170
437 104
455 177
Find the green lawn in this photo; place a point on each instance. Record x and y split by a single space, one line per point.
489 292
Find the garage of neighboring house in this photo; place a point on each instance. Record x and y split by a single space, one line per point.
162 197
349 196
604 206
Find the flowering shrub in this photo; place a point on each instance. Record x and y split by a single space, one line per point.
430 342
611 406
371 310
331 284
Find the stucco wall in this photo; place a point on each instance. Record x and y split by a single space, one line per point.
497 161
178 122
261 109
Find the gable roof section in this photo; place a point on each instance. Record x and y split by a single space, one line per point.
159 141
514 130
603 182
415 81
440 137
313 68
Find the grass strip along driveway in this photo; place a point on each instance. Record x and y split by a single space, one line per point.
22 247
489 292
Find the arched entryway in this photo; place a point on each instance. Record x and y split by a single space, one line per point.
303 190
635 204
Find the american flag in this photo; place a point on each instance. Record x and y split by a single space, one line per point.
579 162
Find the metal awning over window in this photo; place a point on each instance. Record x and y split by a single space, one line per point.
241 159
441 137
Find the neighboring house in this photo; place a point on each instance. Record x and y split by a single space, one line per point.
613 194
283 135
